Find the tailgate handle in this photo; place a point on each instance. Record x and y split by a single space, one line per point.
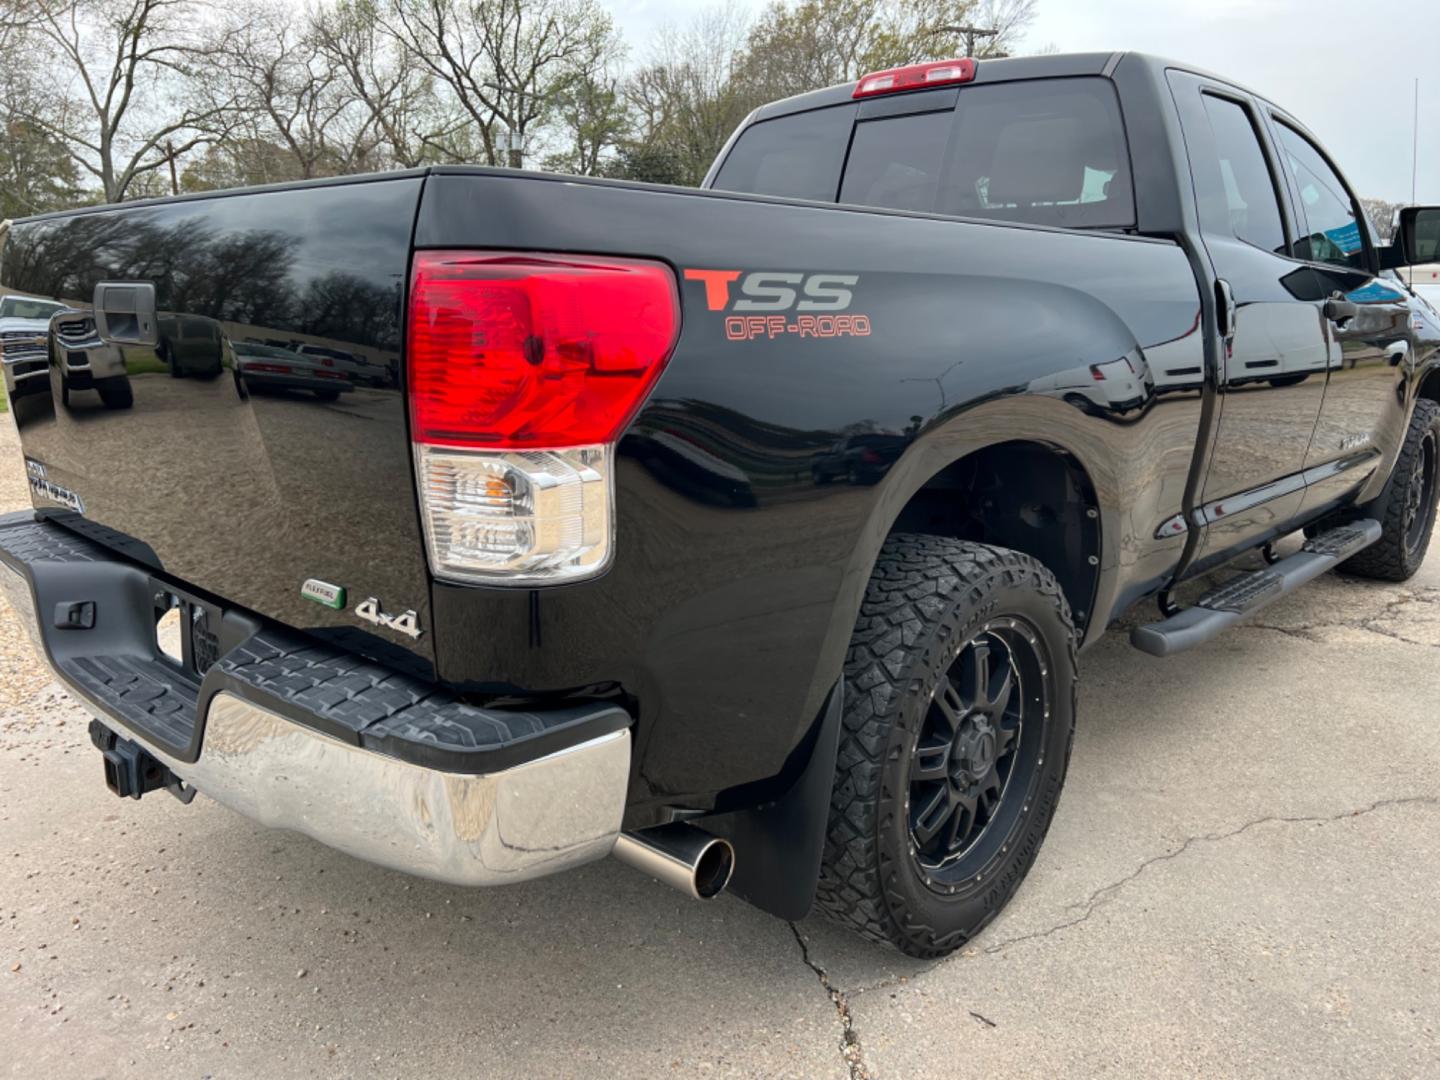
125 313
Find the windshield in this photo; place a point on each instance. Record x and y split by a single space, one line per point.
17 307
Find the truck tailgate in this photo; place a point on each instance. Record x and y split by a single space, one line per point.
262 443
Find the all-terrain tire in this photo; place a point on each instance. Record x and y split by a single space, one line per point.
1400 551
928 597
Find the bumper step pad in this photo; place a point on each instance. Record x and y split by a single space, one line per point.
118 668
151 699
362 703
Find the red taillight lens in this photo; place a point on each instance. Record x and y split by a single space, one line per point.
915 76
269 369
1096 373
511 350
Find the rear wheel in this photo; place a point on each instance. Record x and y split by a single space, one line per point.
959 712
1408 513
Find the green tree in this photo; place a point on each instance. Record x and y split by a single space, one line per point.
504 63
686 99
649 164
37 173
111 81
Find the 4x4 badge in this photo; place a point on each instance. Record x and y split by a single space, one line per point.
405 623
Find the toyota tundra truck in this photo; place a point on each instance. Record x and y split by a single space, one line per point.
753 534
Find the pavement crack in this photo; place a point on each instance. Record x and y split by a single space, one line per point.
1106 893
849 1040
1304 633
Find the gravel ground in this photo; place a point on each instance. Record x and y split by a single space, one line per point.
1240 881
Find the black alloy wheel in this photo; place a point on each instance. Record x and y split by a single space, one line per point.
964 785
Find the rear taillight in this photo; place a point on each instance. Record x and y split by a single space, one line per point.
523 371
1096 373
915 77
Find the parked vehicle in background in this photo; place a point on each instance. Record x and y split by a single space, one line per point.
582 583
268 367
85 361
348 363
24 324
191 345
859 459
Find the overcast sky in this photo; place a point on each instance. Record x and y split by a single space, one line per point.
1346 70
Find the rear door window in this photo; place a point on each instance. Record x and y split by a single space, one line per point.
1251 202
794 157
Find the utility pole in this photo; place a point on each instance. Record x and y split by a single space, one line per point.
174 180
970 32
1415 145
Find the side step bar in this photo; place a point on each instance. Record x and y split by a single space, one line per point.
1243 596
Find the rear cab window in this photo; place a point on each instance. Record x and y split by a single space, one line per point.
795 157
1047 152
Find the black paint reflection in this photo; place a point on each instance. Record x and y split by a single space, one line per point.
261 441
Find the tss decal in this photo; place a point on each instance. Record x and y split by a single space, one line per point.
741 294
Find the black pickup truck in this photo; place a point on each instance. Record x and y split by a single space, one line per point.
755 528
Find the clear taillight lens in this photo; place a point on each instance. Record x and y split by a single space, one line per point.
522 517
523 370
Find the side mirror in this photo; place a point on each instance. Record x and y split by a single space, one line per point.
1417 238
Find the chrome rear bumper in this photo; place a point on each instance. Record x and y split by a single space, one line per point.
536 817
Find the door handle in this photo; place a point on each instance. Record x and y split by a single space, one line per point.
1339 310
1225 304
125 312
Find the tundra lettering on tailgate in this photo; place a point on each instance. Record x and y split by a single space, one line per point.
782 291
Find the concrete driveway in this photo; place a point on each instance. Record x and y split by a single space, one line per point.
1242 880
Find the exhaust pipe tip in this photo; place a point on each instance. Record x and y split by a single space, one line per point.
681 856
713 869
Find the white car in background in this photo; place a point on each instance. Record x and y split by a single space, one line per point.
357 367
24 341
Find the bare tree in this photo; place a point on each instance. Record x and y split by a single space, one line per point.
396 93
110 80
502 61
687 99
288 89
1008 18
1382 216
799 46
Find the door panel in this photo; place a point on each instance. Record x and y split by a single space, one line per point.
1274 363
1362 418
